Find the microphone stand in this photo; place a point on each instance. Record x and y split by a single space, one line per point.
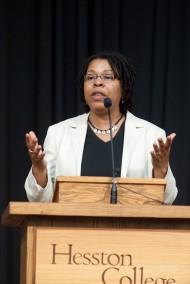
113 196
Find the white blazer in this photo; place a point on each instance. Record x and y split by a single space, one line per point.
64 146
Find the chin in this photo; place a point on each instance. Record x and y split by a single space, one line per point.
97 107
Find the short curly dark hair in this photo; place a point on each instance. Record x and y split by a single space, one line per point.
122 69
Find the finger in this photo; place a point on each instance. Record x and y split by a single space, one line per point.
159 150
155 156
36 151
156 148
37 156
31 135
169 140
171 137
161 145
31 140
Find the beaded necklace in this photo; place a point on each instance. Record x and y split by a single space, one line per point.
99 131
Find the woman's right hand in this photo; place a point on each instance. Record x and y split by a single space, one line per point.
39 164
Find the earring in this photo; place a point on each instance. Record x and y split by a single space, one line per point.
122 100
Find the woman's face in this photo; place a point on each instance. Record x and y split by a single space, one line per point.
96 89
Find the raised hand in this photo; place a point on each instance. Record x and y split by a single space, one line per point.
160 156
39 165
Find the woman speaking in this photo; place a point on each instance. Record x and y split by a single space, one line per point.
80 146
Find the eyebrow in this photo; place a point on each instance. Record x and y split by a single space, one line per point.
106 70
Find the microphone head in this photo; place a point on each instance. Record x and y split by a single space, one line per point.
107 102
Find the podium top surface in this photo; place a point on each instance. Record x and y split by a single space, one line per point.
16 212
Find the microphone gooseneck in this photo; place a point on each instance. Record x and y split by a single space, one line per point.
113 196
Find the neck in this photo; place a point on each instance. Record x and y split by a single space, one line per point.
101 121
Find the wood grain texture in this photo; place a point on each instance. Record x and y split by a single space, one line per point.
98 189
91 256
17 212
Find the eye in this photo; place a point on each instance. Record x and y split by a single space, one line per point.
90 77
108 77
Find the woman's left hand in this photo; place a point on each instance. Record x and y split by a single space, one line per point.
160 156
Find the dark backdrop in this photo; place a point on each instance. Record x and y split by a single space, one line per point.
42 46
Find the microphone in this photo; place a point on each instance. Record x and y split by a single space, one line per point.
113 196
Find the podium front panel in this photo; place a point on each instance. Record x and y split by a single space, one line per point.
122 256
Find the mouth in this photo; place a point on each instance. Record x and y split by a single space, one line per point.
99 96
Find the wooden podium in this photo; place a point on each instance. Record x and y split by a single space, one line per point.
93 242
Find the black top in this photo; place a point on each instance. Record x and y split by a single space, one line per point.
97 158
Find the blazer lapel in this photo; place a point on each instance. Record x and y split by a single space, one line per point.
130 139
78 136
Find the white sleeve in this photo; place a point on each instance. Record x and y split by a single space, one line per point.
35 192
171 189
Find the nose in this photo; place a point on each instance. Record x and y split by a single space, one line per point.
98 81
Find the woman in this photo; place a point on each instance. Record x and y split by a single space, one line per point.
81 145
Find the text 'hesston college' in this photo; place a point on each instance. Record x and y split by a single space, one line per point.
113 260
